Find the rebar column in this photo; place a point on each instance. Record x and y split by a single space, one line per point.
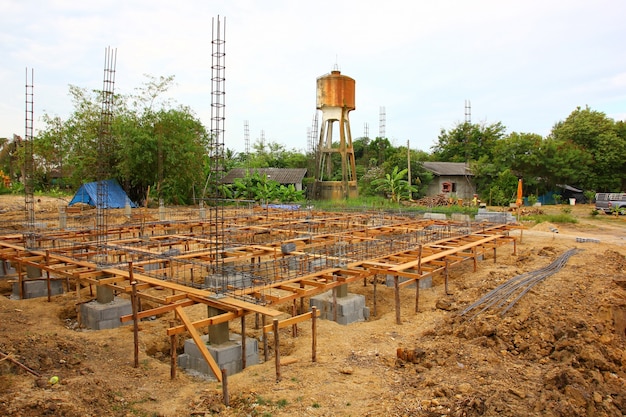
216 151
29 165
104 150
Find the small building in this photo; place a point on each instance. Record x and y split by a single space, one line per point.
283 176
453 179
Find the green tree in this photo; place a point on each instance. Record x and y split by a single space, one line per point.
564 162
379 150
522 154
275 155
163 150
504 189
604 143
467 142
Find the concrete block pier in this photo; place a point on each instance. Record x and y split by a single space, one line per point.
350 307
226 354
99 316
36 288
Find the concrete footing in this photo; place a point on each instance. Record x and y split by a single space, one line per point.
227 355
350 308
494 217
435 216
98 316
424 282
36 288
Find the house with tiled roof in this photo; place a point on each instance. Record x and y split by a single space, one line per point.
454 179
283 176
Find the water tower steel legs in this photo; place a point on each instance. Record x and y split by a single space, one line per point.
347 187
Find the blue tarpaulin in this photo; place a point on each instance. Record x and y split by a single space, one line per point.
88 194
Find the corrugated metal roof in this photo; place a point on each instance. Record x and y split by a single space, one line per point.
281 175
448 168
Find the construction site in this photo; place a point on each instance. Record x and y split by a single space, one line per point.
242 309
356 298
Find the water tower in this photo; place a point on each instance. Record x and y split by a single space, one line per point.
335 176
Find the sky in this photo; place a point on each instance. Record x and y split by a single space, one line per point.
526 64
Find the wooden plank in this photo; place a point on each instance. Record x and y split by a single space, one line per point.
408 282
443 254
291 321
111 280
156 311
312 283
199 343
175 297
214 302
222 318
250 307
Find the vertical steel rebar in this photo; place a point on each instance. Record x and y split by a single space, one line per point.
29 164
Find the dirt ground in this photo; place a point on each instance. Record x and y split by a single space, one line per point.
558 352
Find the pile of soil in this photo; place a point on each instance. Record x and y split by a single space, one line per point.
558 352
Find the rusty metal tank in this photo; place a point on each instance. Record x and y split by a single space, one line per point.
335 90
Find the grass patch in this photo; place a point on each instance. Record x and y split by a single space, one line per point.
551 218
263 401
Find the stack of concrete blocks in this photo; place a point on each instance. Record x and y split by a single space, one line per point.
99 316
424 282
494 217
33 286
350 307
226 355
36 288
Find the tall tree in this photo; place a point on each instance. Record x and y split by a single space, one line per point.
522 154
164 150
603 140
467 142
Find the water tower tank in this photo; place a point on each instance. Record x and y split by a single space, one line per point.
335 90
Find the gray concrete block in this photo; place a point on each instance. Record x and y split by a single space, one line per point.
459 217
435 216
495 217
183 360
424 282
349 308
107 324
99 316
38 288
226 355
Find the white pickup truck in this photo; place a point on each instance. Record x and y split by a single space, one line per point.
611 202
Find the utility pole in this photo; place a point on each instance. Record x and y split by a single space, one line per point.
408 157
